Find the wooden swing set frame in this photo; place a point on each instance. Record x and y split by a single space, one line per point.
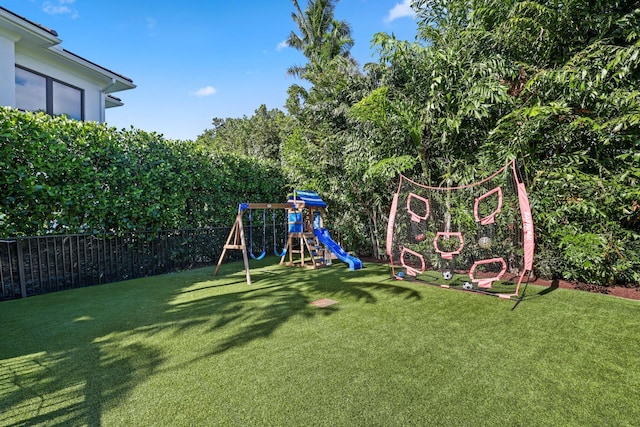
236 239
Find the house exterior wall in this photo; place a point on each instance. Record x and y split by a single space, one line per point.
7 70
44 64
37 49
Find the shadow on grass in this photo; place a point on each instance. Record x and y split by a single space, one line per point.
555 284
66 374
75 354
280 293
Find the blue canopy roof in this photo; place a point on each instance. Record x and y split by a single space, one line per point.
310 198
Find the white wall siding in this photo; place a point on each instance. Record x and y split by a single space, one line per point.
56 69
7 71
38 49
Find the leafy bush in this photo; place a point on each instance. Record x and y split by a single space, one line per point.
64 176
586 230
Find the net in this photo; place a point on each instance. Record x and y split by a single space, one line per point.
477 237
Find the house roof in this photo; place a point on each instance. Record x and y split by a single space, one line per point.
35 34
112 101
42 27
96 65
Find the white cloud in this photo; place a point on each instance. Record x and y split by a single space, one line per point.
151 22
60 7
282 45
205 91
400 10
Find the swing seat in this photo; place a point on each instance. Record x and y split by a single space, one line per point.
259 257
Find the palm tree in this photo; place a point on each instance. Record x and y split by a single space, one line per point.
322 38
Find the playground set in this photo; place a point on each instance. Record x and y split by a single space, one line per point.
308 243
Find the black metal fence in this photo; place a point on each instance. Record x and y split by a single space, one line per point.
38 265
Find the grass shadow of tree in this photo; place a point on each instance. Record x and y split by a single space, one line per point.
280 293
51 379
86 349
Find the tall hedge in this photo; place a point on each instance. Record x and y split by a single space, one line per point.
63 176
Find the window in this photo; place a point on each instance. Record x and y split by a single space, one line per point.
36 92
31 91
67 100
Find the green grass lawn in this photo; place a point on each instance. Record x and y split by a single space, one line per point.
190 349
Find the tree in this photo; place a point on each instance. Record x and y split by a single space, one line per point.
576 124
446 89
261 135
322 38
326 44
553 83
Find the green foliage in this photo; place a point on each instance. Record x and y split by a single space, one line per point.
299 155
261 135
322 39
444 93
575 128
588 219
551 83
65 176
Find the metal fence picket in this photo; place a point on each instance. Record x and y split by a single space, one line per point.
42 264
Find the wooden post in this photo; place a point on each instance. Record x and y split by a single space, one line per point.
237 235
237 241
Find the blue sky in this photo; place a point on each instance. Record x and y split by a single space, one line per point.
196 60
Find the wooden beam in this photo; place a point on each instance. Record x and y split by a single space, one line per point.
236 240
290 205
237 235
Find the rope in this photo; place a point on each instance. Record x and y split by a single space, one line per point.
275 249
264 235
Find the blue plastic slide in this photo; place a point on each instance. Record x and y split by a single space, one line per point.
325 238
